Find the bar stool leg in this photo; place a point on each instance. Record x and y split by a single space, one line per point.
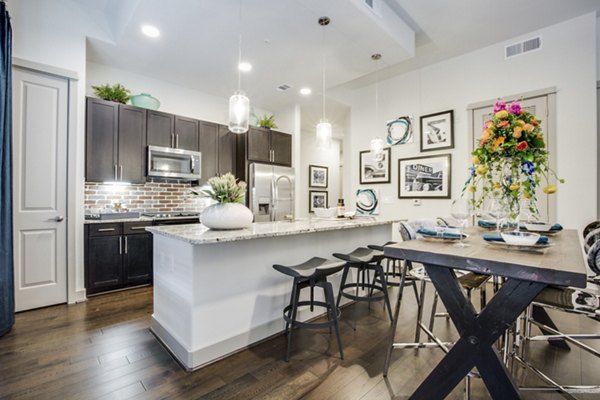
420 313
358 273
433 311
342 283
333 310
294 311
292 296
386 298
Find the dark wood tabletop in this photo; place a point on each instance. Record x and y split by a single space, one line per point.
562 264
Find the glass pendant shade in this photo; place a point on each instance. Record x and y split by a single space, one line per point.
239 112
324 133
377 147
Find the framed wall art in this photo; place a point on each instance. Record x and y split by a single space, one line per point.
424 177
318 176
437 131
367 202
400 130
375 169
317 199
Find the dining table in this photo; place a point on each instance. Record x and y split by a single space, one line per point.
525 275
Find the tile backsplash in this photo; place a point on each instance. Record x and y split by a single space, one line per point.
150 197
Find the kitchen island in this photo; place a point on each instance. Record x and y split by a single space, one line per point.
215 292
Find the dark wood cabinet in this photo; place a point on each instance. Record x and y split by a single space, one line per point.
258 142
117 255
209 147
168 130
227 150
102 130
281 148
115 142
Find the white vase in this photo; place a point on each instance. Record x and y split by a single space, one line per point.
226 216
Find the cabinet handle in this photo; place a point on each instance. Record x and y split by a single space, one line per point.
172 139
115 172
106 229
137 228
125 244
121 169
273 155
177 140
120 244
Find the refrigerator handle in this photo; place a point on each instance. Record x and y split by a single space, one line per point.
272 212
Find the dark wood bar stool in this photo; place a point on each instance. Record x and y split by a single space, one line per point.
311 273
364 260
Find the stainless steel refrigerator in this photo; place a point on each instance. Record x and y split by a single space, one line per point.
271 191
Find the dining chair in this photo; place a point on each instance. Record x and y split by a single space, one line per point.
583 302
590 227
592 237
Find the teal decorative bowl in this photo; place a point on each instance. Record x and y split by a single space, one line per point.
145 100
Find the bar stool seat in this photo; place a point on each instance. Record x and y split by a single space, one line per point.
311 273
364 260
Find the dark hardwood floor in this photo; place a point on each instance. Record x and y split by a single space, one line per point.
102 349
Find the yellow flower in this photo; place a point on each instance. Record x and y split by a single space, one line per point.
517 132
501 114
497 142
528 128
497 185
514 186
475 160
472 189
549 189
520 122
481 169
527 195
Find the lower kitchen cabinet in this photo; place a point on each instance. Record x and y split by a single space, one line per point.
117 255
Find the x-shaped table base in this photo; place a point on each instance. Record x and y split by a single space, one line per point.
478 332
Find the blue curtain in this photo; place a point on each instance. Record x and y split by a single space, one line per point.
7 290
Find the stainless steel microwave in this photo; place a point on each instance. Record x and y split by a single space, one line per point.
168 162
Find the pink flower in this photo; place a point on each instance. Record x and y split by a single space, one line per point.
515 108
499 106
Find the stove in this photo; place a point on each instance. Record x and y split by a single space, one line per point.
173 218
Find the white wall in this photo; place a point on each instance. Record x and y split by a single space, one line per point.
567 61
173 98
312 155
598 48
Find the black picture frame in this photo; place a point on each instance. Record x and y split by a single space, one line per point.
380 171
437 131
418 177
311 196
315 173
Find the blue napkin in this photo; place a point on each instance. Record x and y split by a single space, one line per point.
486 224
433 232
497 238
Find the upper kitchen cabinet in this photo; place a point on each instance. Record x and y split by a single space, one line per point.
267 146
168 130
227 150
115 142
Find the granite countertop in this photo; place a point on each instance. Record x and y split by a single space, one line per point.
117 220
200 234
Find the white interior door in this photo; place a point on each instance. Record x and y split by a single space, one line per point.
40 112
538 106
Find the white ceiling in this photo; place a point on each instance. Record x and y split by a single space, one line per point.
281 38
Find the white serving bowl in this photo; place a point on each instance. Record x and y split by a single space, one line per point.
521 238
350 214
330 212
538 226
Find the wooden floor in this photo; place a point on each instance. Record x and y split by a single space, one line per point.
102 349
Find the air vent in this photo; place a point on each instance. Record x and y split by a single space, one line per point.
523 47
284 87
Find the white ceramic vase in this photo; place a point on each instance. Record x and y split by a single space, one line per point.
225 216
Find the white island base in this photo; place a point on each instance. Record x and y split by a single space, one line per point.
215 292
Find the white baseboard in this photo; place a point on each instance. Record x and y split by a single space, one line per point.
80 296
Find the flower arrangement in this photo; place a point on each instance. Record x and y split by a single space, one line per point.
223 189
511 159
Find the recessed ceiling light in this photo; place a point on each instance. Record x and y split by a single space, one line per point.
150 31
245 66
305 91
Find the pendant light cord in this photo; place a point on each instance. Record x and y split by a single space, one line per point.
324 66
240 48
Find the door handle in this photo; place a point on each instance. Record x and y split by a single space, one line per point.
121 172
59 218
115 172
120 244
125 244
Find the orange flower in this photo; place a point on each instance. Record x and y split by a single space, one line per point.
535 122
517 132
528 128
503 124
499 141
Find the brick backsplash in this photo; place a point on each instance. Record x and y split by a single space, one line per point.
150 197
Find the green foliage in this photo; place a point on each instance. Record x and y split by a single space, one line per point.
116 92
223 189
267 121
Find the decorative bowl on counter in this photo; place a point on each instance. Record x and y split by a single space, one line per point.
520 238
330 212
145 100
226 216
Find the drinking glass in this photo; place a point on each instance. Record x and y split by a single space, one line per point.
496 210
461 210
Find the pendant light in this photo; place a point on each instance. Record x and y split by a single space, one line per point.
324 127
377 142
239 104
